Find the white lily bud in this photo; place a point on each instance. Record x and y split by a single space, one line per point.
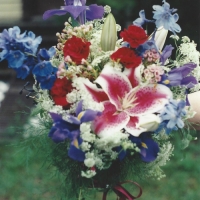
149 122
160 37
109 34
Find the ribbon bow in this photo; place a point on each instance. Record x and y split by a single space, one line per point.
122 193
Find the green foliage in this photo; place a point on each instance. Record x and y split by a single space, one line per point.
37 168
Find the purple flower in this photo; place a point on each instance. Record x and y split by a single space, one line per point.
178 76
164 17
166 53
148 147
70 129
63 129
77 8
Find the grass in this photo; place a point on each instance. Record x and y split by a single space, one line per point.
23 175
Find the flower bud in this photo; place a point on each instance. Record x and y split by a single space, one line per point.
149 122
160 37
109 34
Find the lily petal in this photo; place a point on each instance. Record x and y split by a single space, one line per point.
149 99
110 121
98 94
131 127
115 84
134 75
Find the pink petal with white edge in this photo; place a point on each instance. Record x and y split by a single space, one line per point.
97 94
149 99
115 84
131 127
134 75
110 121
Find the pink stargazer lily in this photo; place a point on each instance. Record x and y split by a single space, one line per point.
125 106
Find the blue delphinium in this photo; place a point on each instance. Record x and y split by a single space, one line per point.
172 116
19 50
44 71
164 17
141 20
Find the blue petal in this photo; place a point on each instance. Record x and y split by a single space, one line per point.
150 153
89 115
75 11
166 53
43 69
184 70
94 12
189 81
23 71
15 59
79 107
52 12
69 2
46 83
75 153
58 135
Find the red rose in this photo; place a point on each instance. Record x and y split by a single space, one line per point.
134 36
60 89
126 57
77 49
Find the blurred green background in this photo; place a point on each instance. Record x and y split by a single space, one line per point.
24 174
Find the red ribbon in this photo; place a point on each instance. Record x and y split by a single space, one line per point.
122 193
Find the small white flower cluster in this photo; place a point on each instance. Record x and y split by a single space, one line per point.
153 169
97 149
188 50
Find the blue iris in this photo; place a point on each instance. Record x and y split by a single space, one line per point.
70 129
77 9
148 147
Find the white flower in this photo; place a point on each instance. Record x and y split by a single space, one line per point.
85 127
149 122
175 37
85 146
89 162
88 173
185 39
89 137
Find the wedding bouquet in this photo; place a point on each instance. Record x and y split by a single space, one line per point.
109 105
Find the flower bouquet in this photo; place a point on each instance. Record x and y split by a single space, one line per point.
109 105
